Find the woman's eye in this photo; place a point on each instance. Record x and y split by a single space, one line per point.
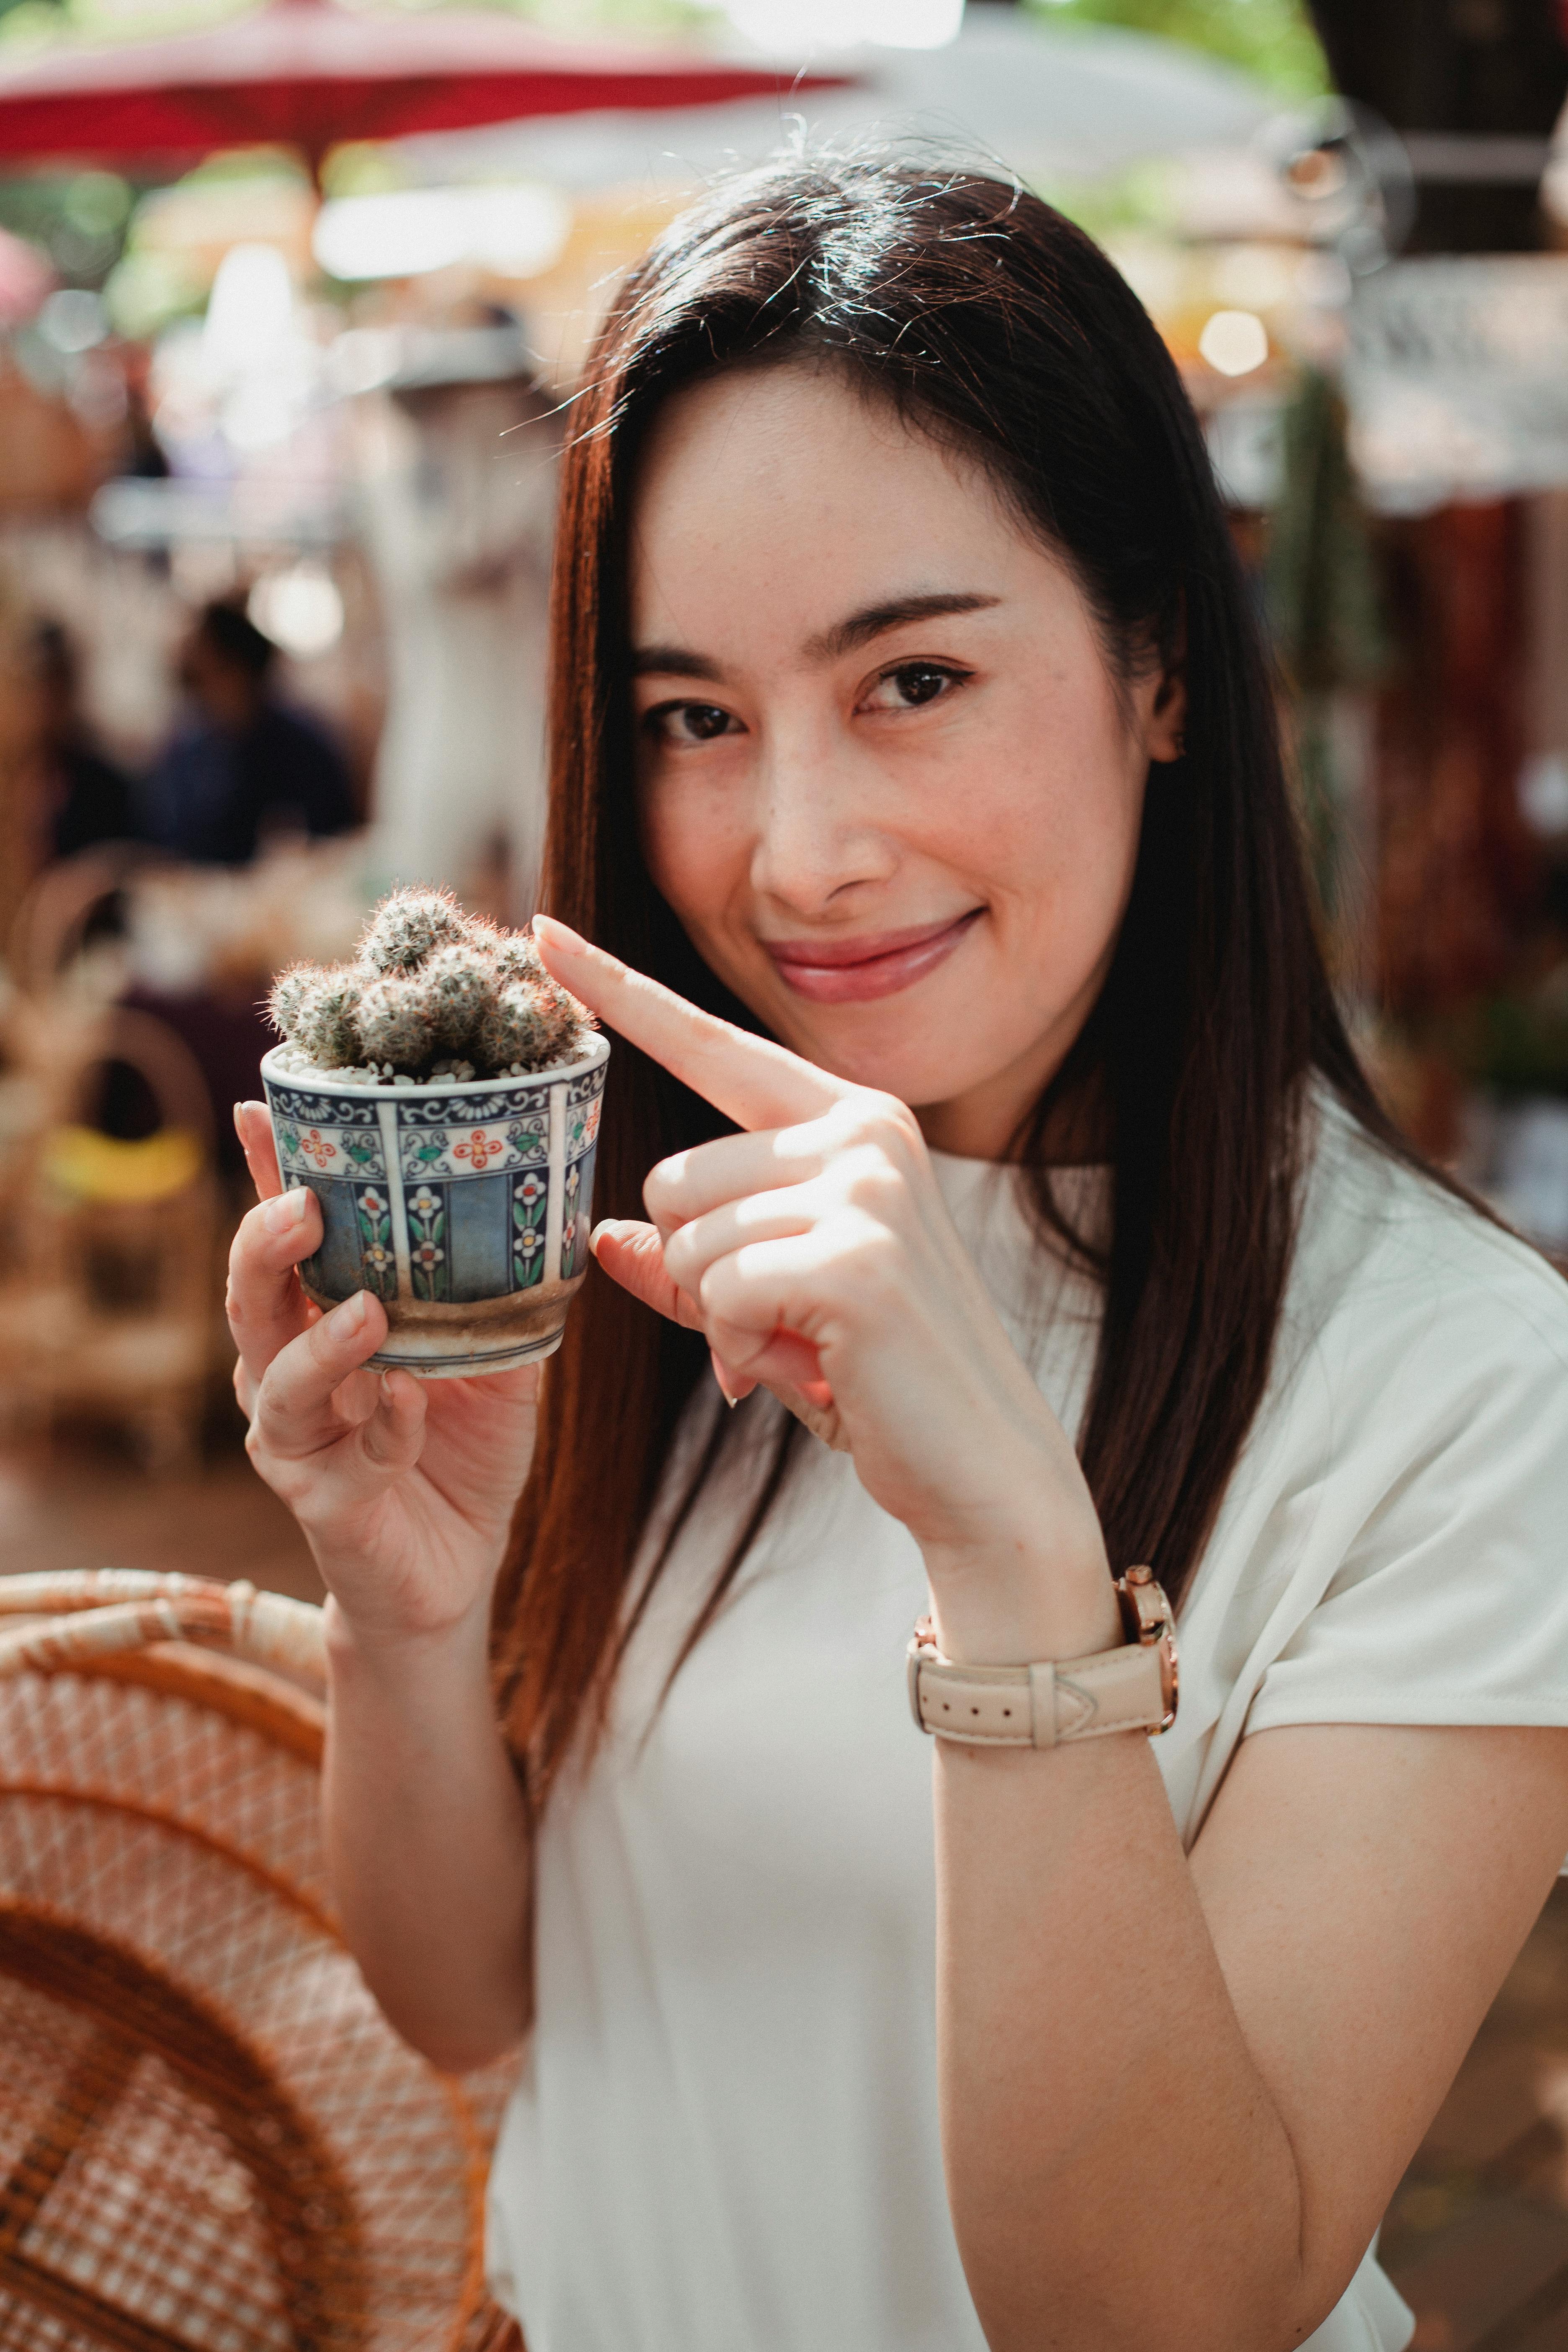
913 683
689 722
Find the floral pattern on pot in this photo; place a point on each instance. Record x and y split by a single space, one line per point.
476 1149
372 1213
309 1107
530 1200
582 1126
577 1211
429 1266
325 1135
327 1150
585 1097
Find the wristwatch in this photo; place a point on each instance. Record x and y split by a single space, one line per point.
1132 1688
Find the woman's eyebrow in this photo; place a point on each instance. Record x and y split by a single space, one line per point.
861 627
843 637
674 661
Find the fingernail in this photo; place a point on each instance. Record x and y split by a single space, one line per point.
238 1122
347 1318
283 1214
557 934
722 1377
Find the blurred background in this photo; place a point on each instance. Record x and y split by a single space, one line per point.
289 296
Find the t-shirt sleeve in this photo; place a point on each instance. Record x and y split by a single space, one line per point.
1450 1602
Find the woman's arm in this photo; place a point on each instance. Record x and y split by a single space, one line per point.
405 1492
1177 2098
1176 2095
428 1839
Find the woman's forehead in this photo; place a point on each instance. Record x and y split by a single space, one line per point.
782 428
785 491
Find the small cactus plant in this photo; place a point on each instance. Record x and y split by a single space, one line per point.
431 992
394 1023
410 924
325 1003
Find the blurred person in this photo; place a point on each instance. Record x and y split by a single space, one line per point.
246 766
85 800
59 794
982 1106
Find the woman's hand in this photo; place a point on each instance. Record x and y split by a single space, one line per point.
405 1489
815 1253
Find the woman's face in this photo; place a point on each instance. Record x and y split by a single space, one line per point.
886 779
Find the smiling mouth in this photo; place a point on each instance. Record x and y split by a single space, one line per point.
853 971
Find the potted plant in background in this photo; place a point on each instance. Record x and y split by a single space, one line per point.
440 1096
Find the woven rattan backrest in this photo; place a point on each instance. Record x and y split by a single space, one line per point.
210 2140
253 2229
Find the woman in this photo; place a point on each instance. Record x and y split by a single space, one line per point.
996 1117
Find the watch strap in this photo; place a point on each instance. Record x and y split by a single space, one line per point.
1132 1688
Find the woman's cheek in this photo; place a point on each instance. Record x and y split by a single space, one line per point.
691 844
1055 855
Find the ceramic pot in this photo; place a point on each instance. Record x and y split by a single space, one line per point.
464 1205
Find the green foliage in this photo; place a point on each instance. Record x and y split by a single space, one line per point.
1321 578
80 218
1517 1045
1270 38
430 980
653 18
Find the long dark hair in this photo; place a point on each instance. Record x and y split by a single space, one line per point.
993 324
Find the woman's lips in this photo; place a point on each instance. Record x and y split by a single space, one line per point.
852 971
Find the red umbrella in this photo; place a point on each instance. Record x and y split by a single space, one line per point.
309 73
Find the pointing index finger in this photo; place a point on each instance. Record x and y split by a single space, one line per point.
750 1079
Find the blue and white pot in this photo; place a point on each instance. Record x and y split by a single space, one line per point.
464 1205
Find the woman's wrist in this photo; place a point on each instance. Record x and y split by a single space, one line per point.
1012 1603
358 1642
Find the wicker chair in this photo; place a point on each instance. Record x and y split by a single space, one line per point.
51 924
65 1347
210 2139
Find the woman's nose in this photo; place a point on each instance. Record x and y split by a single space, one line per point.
817 831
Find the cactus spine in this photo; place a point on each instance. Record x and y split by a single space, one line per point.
395 1024
407 927
324 1017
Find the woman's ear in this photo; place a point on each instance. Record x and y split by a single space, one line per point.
1168 720
1168 716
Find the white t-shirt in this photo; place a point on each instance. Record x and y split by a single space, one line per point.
727 2135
